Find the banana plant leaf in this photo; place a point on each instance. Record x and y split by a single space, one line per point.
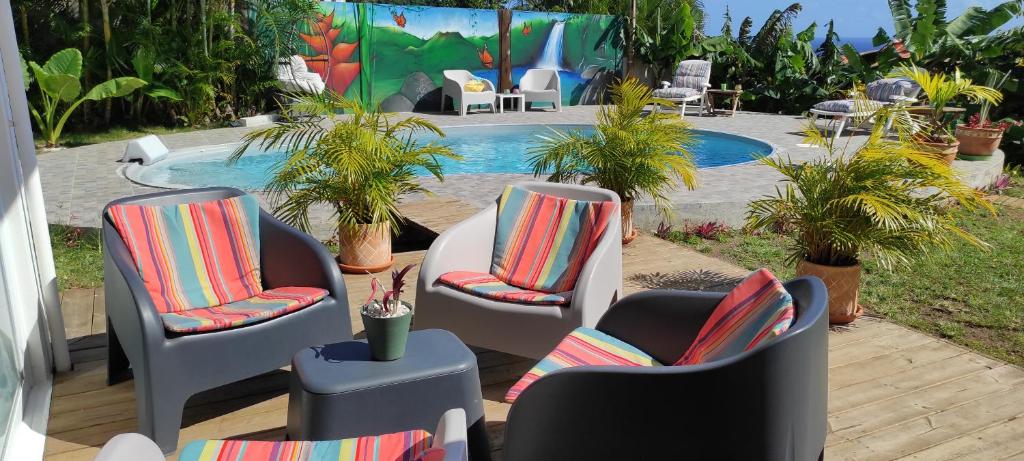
114 88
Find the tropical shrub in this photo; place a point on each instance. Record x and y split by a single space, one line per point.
358 164
630 153
942 90
59 85
888 199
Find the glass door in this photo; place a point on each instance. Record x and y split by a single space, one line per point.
11 379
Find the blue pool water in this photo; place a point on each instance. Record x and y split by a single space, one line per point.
485 149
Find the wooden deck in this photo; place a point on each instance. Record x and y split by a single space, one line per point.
894 393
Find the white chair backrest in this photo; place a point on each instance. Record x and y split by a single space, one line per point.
693 73
459 76
540 79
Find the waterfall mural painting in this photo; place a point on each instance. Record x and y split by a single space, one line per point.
394 55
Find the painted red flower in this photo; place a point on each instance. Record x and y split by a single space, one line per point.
331 60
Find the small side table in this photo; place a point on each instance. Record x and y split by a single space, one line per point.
713 93
338 391
519 99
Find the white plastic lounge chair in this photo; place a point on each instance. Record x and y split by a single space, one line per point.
296 78
879 93
454 86
542 85
514 324
690 83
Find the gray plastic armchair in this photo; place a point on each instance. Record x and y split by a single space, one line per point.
525 330
768 403
168 368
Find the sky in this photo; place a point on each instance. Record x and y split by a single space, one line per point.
853 18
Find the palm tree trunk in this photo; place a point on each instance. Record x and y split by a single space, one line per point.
83 9
23 16
105 13
202 26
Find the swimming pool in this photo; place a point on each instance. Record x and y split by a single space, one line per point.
485 149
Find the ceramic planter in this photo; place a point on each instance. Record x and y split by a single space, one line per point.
387 336
629 232
367 248
978 142
945 149
843 283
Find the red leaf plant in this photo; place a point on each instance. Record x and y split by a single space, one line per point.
390 302
331 60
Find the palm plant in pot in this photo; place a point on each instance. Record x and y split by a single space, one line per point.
941 90
979 137
629 152
387 321
358 164
888 199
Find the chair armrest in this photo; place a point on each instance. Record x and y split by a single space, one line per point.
488 86
665 84
466 246
451 435
451 87
290 257
130 447
600 281
662 323
706 85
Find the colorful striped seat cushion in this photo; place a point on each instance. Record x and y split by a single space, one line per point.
584 346
194 255
401 446
757 310
488 286
542 241
272 303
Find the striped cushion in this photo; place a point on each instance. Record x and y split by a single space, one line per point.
401 446
692 73
884 89
584 346
488 286
849 106
542 241
757 310
194 255
676 93
266 305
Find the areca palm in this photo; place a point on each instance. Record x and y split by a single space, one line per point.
359 163
629 153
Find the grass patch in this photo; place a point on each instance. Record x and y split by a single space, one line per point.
967 295
74 139
78 256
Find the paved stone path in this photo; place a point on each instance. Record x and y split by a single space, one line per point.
78 182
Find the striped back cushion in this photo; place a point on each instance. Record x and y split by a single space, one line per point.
692 73
757 310
401 446
194 255
884 89
543 241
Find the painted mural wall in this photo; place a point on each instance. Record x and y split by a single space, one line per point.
394 55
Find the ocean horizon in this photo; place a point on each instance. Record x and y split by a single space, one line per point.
860 43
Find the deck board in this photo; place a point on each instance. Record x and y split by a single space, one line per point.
894 393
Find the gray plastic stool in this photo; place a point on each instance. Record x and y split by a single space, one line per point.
338 391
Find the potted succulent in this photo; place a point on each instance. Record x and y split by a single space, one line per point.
357 164
387 321
629 153
941 90
888 199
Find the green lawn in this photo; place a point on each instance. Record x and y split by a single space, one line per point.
968 295
78 255
72 139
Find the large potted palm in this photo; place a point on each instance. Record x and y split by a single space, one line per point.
358 164
887 199
941 90
629 152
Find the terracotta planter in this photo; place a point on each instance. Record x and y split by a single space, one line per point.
843 283
629 232
980 142
947 150
365 249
